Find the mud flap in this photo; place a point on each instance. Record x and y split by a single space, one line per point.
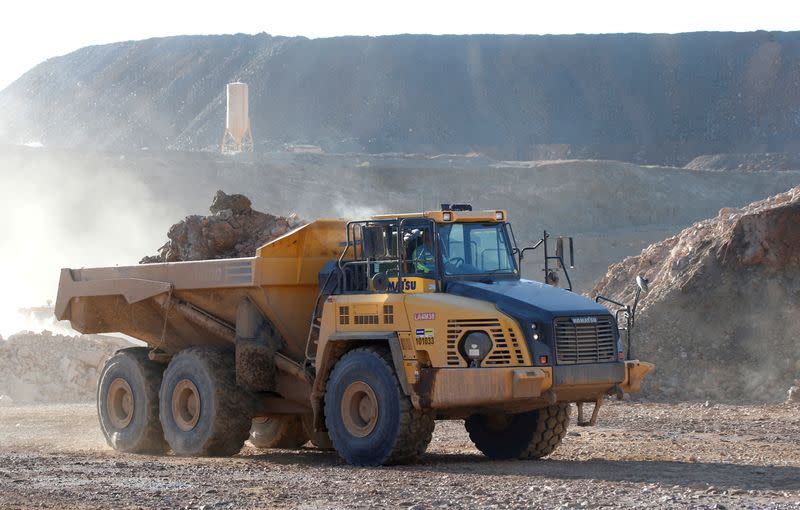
257 341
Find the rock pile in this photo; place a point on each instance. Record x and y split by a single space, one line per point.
722 318
747 162
43 367
234 229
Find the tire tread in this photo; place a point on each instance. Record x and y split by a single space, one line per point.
152 439
416 427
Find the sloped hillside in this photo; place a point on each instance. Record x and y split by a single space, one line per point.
647 98
722 317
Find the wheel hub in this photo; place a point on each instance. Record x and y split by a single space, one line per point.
359 409
185 405
119 403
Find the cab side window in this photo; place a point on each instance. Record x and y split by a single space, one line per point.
419 259
388 267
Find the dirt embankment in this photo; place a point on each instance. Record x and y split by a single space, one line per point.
722 317
44 367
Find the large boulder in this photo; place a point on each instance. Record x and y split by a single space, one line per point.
237 204
722 318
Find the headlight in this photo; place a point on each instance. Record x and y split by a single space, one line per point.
474 347
535 331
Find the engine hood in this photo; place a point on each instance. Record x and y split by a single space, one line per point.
527 300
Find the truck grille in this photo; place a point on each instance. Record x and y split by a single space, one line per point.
585 342
505 351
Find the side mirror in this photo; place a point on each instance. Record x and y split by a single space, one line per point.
380 282
559 251
643 283
571 254
373 241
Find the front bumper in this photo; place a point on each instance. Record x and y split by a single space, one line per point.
582 375
635 372
458 388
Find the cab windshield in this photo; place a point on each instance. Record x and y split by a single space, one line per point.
475 248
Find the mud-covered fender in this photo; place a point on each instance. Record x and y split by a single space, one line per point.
337 345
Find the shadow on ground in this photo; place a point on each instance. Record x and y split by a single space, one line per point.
721 475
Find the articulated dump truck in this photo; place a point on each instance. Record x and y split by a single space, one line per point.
354 335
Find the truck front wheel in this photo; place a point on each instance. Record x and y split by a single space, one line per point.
127 402
202 411
280 431
370 421
530 435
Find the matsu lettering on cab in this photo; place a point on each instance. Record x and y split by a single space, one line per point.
404 285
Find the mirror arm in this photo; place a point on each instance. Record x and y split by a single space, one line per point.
630 315
522 252
566 273
603 298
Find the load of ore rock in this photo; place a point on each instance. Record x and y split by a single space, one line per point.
722 317
234 229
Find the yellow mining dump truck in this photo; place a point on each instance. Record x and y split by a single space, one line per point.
353 335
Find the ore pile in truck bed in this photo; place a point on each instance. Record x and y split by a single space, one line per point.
234 229
722 318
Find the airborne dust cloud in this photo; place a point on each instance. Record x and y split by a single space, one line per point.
59 214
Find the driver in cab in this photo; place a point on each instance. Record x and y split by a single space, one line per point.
421 251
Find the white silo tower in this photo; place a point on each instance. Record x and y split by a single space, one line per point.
237 137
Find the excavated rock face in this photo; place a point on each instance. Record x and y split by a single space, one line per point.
43 367
722 318
234 229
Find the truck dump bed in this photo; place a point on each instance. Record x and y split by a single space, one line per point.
182 304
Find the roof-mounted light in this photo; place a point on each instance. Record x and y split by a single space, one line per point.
499 216
447 216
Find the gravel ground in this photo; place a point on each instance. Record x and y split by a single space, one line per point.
640 455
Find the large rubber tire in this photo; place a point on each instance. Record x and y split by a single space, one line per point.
129 419
530 435
318 438
396 434
220 422
280 431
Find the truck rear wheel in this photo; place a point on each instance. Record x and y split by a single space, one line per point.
369 419
281 431
127 402
202 411
530 435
